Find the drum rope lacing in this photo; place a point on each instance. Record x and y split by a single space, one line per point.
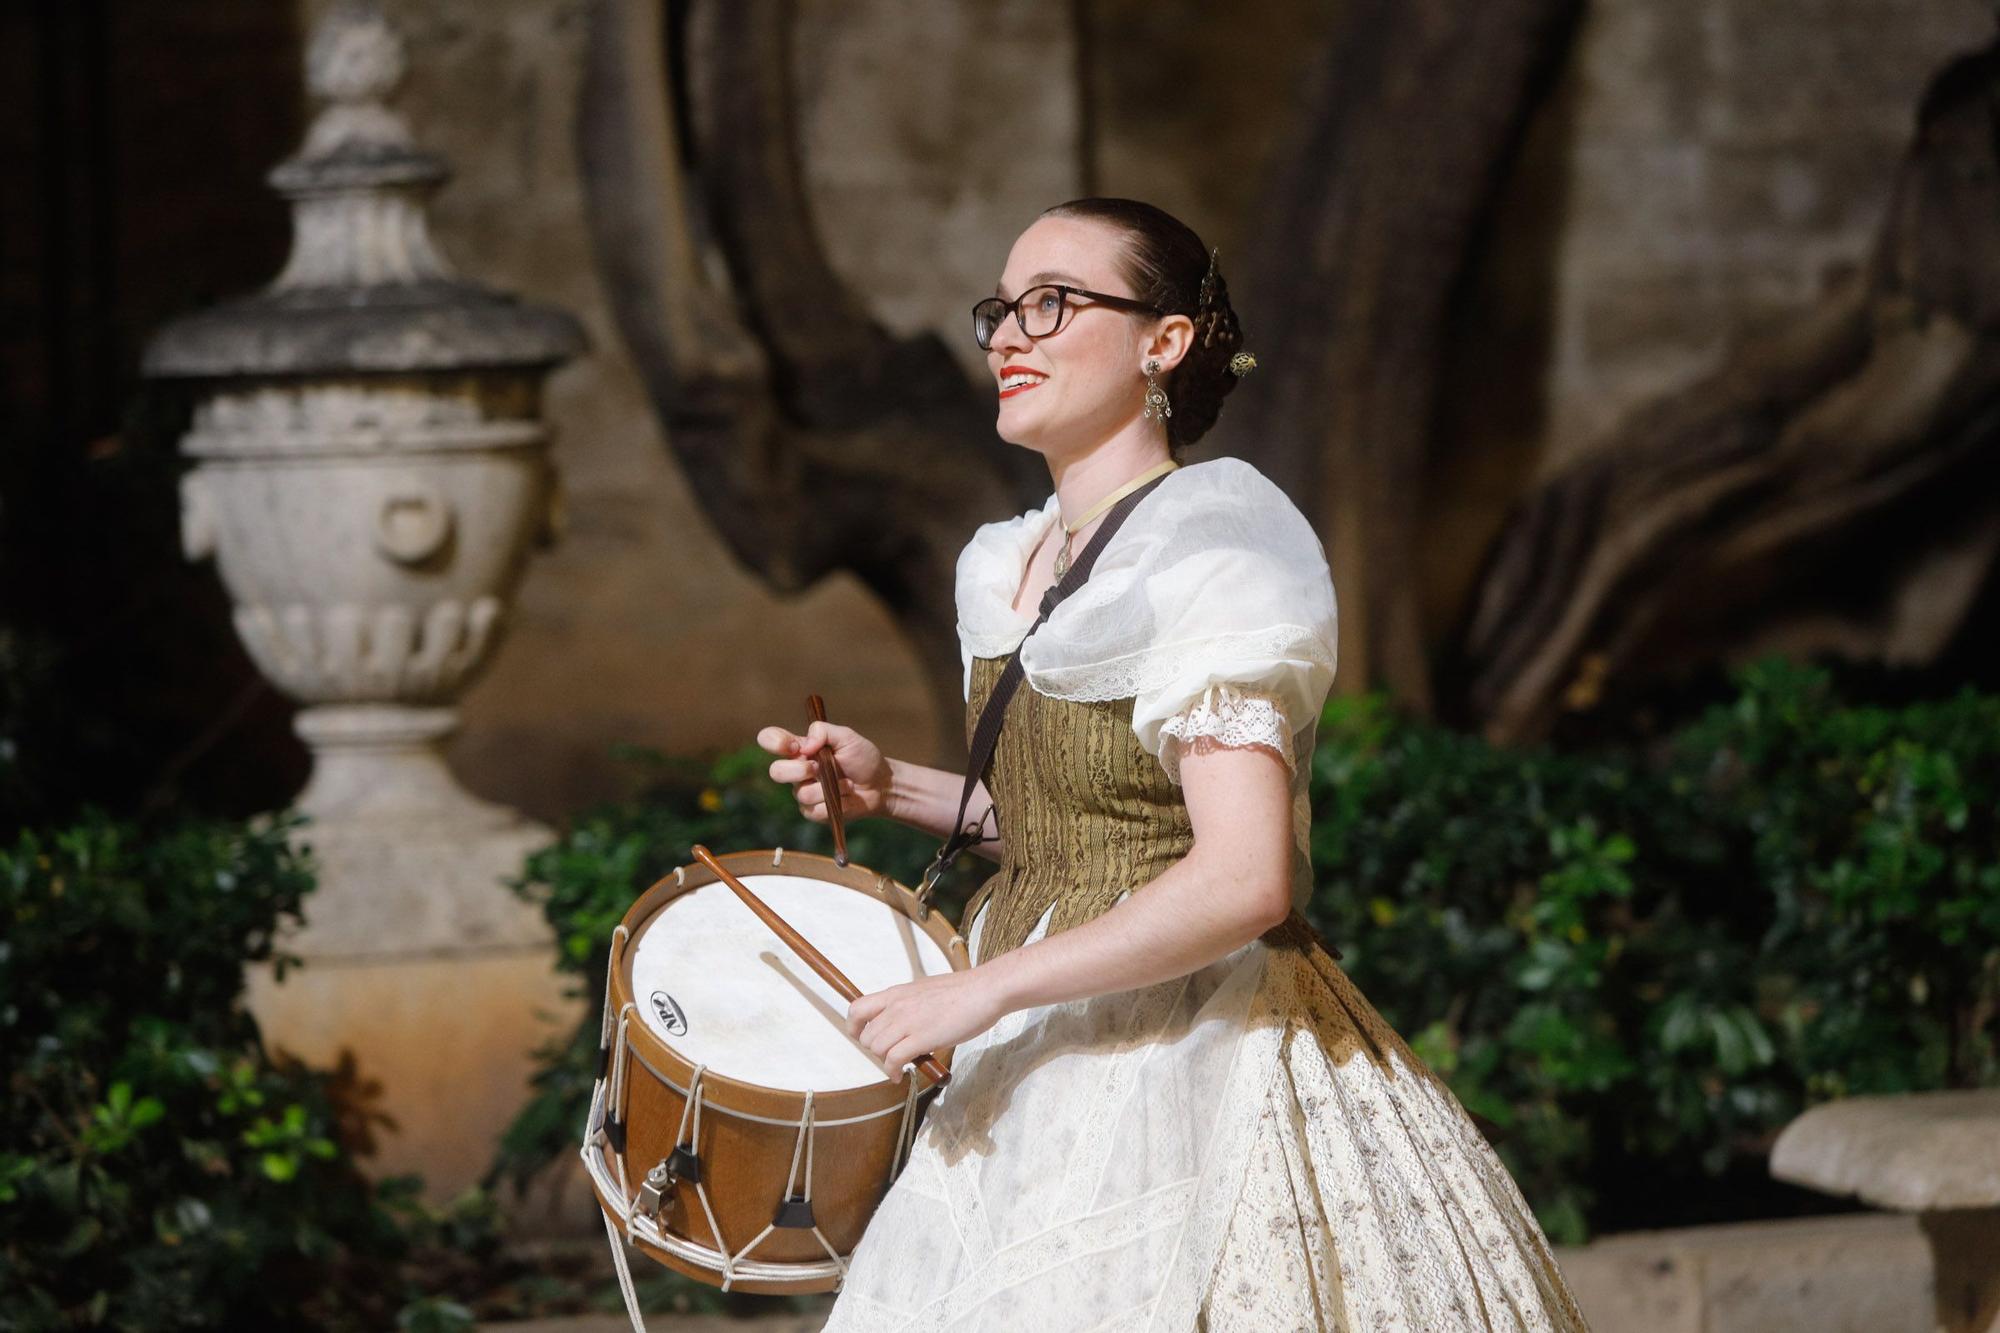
692 1108
618 1111
618 934
595 1130
625 1287
801 1148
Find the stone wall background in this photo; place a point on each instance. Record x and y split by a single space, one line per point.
1725 159
1700 169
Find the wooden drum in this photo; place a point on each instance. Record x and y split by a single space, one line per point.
737 1133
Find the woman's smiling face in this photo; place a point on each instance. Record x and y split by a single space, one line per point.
1063 393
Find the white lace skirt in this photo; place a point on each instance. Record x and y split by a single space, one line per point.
1246 1148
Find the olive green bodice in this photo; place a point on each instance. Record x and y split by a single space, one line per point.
1085 813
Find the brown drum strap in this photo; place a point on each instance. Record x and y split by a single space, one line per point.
986 734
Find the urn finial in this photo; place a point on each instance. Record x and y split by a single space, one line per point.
354 55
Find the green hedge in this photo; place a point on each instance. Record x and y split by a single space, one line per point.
1639 966
158 1170
1643 967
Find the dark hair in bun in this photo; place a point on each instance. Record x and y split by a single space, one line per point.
1165 262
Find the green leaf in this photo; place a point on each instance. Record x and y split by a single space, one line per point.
82 1235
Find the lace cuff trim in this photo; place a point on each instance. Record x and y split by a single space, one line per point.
1229 716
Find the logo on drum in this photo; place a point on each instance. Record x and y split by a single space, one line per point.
671 1016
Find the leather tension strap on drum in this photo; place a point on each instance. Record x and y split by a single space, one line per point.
986 734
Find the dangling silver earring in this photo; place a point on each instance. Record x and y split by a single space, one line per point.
1157 405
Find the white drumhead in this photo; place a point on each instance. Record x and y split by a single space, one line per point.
718 986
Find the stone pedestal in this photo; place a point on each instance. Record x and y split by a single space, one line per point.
1935 1154
410 863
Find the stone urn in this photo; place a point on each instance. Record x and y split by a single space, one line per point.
370 475
371 472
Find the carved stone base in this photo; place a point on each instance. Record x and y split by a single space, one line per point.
449 1041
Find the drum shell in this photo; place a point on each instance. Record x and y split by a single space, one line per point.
747 1141
748 1133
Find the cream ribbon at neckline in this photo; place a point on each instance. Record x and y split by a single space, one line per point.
1071 529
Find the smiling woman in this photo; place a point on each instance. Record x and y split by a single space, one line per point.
1170 1108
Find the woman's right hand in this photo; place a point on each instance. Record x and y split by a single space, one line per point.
864 769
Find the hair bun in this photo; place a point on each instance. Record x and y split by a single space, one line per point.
1168 267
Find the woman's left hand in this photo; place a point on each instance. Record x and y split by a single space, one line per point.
900 1023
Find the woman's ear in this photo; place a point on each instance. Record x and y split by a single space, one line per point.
1172 337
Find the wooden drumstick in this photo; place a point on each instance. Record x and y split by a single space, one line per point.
829 782
927 1065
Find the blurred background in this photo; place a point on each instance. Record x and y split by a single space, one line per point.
593 380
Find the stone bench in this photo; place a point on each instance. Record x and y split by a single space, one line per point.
1934 1154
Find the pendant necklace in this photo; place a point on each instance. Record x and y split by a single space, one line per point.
1071 529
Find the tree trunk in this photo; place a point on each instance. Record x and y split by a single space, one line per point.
814 439
1410 122
1830 488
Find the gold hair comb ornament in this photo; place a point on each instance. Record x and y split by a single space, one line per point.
1206 316
1242 364
1208 281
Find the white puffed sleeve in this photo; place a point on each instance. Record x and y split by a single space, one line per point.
1211 608
1248 653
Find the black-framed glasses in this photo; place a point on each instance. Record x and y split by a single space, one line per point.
1042 310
